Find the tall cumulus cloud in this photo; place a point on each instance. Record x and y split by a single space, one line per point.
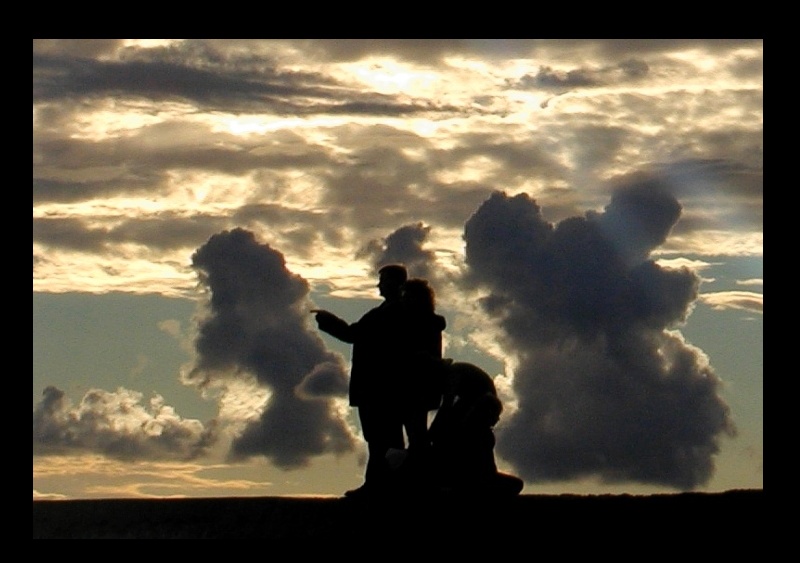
257 326
606 385
403 246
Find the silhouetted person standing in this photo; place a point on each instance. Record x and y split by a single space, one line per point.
420 385
376 338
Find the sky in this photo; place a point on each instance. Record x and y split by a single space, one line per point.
589 212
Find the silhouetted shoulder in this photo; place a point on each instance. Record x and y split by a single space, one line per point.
470 380
430 322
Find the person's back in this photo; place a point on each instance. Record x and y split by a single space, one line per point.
462 436
375 338
417 380
375 354
420 383
463 441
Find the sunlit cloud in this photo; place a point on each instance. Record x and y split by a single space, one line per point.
146 150
92 476
117 424
48 496
717 243
744 300
696 265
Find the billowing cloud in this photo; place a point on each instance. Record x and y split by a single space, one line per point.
147 150
404 246
116 424
606 387
257 326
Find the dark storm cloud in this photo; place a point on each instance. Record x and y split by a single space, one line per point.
376 194
58 77
733 190
638 219
165 232
117 425
141 163
403 246
325 380
257 324
562 81
171 145
210 84
515 159
45 190
605 389
80 48
392 176
76 169
69 233
713 177
453 202
300 230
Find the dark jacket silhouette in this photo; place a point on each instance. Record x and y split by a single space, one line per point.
421 378
375 362
462 436
376 351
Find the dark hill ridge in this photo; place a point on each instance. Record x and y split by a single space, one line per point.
527 516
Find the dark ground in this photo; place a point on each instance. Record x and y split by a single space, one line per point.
534 517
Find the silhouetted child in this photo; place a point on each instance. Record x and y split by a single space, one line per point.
462 436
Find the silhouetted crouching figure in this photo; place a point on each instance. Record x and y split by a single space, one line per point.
462 436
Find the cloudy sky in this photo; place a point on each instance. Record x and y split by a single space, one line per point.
589 212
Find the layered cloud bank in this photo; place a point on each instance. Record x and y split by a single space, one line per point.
563 196
604 385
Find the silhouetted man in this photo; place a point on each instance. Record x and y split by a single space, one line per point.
376 340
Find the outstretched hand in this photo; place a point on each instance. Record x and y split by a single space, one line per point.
322 316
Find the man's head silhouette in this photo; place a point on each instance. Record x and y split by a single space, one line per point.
391 279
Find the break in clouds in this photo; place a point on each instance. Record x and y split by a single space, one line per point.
605 386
